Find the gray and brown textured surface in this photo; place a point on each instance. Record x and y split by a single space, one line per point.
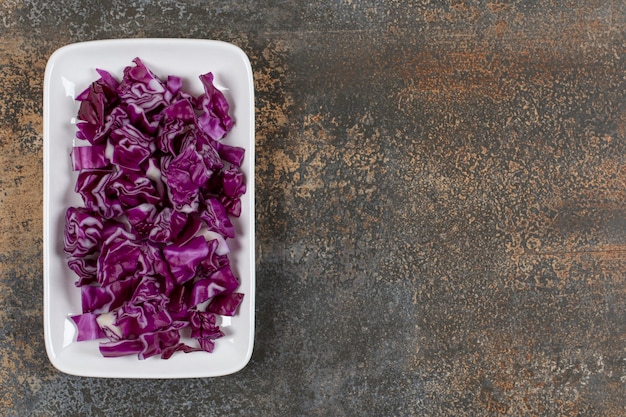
441 214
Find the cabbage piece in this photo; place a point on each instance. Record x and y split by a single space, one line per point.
175 91
92 185
98 134
95 103
119 348
171 136
184 259
83 232
216 218
178 305
204 325
222 281
149 290
231 154
106 321
142 88
141 120
81 243
118 260
132 320
184 175
226 304
142 218
132 189
87 327
214 119
153 172
89 157
113 230
233 182
190 230
174 86
84 267
222 247
106 78
204 329
131 147
168 225
98 299
158 226
91 132
178 127
154 343
107 83
214 261
232 205
207 148
206 344
181 110
154 263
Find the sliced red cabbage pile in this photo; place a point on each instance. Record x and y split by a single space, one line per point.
158 186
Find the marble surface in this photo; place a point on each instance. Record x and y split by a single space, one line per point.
440 208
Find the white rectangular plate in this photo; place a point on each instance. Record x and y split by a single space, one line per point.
69 71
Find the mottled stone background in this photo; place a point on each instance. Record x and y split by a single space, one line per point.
441 214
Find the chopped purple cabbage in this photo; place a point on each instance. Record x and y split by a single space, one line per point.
89 157
216 218
88 328
204 329
131 147
214 119
226 304
184 175
222 281
149 245
232 154
183 260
